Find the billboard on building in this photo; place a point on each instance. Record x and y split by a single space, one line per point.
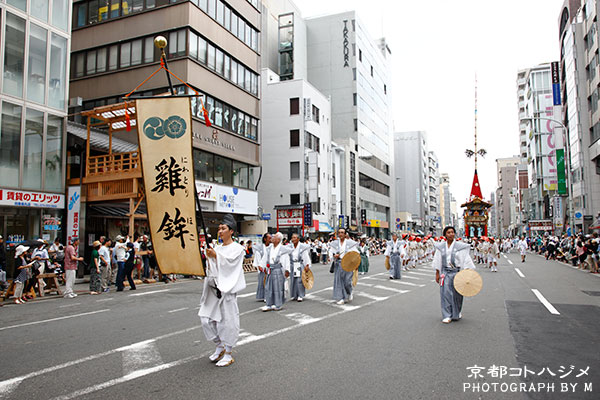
165 139
547 142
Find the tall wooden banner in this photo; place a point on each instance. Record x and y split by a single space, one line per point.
165 139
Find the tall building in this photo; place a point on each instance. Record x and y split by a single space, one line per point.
521 94
33 102
345 64
579 88
213 46
507 184
445 197
541 147
433 217
411 175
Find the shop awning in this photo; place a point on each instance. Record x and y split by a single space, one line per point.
99 139
420 232
325 227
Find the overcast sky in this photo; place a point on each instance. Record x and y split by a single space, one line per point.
437 47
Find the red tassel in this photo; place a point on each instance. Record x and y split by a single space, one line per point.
206 119
127 121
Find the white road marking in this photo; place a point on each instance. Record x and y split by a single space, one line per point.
329 302
69 305
396 281
391 289
143 372
412 277
504 255
370 296
510 262
301 319
417 273
178 309
145 293
241 296
545 302
518 271
140 356
9 386
101 300
8 382
52 319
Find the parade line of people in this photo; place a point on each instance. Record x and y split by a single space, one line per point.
276 262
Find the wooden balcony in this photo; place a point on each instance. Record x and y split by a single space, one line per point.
113 167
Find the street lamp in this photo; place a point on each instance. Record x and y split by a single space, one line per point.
568 156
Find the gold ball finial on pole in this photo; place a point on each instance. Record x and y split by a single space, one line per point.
160 42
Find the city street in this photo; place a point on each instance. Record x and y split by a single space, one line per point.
541 318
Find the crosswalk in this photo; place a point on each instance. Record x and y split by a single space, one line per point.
152 355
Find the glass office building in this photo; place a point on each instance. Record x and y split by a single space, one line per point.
34 48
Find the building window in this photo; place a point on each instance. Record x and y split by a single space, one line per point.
371 70
295 198
354 99
384 88
372 184
54 153
294 170
360 55
295 106
14 55
294 138
36 76
355 124
315 114
39 9
58 72
60 13
223 170
32 154
10 144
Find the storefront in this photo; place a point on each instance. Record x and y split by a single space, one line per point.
26 215
30 215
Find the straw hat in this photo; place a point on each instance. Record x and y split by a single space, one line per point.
350 261
308 279
96 243
387 263
20 250
355 277
468 282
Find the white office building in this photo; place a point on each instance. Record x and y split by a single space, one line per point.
345 64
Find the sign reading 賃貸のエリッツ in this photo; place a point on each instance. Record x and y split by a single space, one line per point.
165 138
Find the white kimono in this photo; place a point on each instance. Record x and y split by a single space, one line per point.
225 277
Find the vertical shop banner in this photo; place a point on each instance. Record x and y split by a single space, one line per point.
165 138
73 210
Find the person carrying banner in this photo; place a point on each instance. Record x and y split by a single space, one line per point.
450 257
219 312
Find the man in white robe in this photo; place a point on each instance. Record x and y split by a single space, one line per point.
522 248
219 311
450 257
342 280
394 252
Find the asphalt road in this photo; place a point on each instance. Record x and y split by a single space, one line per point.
388 343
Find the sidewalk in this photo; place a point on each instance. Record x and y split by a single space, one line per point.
82 287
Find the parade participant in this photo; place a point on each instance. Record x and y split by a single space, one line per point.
522 246
413 252
493 254
342 280
364 257
450 257
22 265
219 311
277 269
260 263
298 260
393 252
